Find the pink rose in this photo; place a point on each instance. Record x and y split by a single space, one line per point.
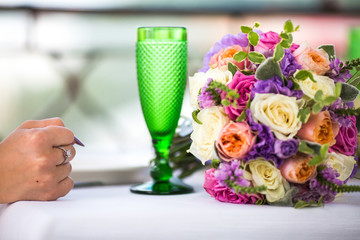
297 170
316 60
242 84
319 128
267 42
225 194
221 59
346 140
235 141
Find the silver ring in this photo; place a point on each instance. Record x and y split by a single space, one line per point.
66 153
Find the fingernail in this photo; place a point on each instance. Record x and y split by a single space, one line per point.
78 142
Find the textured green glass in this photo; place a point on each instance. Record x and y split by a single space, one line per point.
161 58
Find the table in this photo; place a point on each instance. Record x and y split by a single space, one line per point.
112 212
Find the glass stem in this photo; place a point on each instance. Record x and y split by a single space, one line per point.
162 171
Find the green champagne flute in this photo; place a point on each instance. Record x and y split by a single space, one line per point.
161 58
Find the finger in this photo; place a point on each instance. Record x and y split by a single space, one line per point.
65 186
63 155
42 123
63 171
59 136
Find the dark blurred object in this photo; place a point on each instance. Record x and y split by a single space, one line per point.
180 159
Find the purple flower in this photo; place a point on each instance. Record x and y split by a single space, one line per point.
335 73
275 85
286 149
288 64
264 145
227 41
224 193
231 171
205 99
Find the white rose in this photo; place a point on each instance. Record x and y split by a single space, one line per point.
324 83
199 80
343 164
204 135
279 112
265 173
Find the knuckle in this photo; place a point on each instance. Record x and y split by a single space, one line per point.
37 137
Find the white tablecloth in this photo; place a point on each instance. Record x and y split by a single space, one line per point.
112 212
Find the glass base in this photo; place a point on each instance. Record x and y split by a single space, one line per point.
174 186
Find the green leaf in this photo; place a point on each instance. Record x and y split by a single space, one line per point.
329 49
324 150
285 44
317 107
242 116
304 114
304 148
253 38
232 68
316 160
256 24
338 89
240 56
284 36
297 28
329 100
279 53
194 116
248 72
318 95
311 76
215 163
268 69
246 29
302 75
225 102
348 92
288 26
355 81
256 57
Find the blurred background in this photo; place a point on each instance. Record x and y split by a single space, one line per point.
76 59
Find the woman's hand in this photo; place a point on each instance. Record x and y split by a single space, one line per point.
31 167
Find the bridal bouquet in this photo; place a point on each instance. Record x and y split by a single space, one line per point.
275 119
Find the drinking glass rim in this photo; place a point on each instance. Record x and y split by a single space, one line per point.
161 33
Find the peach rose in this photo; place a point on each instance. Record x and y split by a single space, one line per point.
221 59
319 128
235 141
297 170
316 60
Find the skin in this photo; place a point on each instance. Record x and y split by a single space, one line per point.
31 168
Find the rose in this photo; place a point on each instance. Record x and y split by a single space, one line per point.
323 83
204 135
235 141
267 43
199 80
242 84
225 194
221 59
265 173
346 140
286 149
316 60
297 170
343 164
319 128
279 112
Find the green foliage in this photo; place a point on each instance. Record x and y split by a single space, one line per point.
354 81
337 188
330 50
246 29
268 69
287 199
319 152
279 53
348 92
215 163
241 189
288 26
302 75
317 107
348 112
195 118
338 89
256 57
304 148
240 56
232 68
253 38
301 204
304 114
